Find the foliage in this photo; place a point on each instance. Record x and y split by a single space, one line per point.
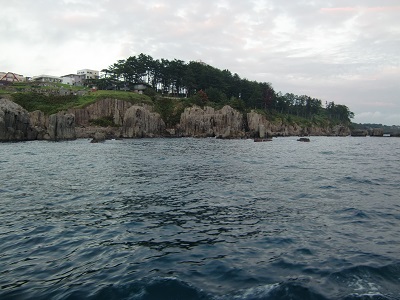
206 85
51 104
131 97
199 99
170 109
104 122
237 104
192 83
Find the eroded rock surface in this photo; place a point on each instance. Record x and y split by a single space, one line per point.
62 126
140 122
14 122
103 108
208 122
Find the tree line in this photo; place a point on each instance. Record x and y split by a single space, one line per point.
205 83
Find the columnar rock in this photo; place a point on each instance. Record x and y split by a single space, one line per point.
14 122
140 122
377 132
39 122
103 108
225 123
62 126
258 124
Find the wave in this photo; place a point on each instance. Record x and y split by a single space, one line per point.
357 283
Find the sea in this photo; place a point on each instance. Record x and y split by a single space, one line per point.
209 219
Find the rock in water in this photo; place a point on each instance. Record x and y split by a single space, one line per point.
62 126
99 137
140 122
14 122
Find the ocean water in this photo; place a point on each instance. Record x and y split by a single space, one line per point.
200 219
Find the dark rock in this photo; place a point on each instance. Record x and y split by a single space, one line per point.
62 127
14 122
303 139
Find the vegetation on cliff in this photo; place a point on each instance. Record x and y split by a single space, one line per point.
173 85
203 84
51 103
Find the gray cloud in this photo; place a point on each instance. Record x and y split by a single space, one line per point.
342 51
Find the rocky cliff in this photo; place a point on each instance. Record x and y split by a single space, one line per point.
61 126
135 121
208 122
14 122
103 108
40 122
140 122
259 126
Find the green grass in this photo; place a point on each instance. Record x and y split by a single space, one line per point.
133 98
53 104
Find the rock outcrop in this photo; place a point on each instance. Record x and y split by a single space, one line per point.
359 132
260 127
62 126
98 137
140 122
103 108
39 122
377 132
14 122
137 121
208 122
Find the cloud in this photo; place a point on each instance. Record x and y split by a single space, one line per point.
377 117
361 9
344 53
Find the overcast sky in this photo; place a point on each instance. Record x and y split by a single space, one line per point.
342 51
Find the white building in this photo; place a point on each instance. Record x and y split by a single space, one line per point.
46 78
73 79
89 74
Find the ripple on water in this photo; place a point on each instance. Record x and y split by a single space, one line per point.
199 219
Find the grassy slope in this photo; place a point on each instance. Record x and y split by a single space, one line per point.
52 104
169 108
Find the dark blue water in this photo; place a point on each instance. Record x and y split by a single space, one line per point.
200 219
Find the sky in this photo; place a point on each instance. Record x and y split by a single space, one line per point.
347 52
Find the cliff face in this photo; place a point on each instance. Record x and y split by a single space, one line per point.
134 121
259 126
140 122
103 108
14 122
208 122
61 126
40 122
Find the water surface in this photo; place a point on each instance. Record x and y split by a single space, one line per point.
200 219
